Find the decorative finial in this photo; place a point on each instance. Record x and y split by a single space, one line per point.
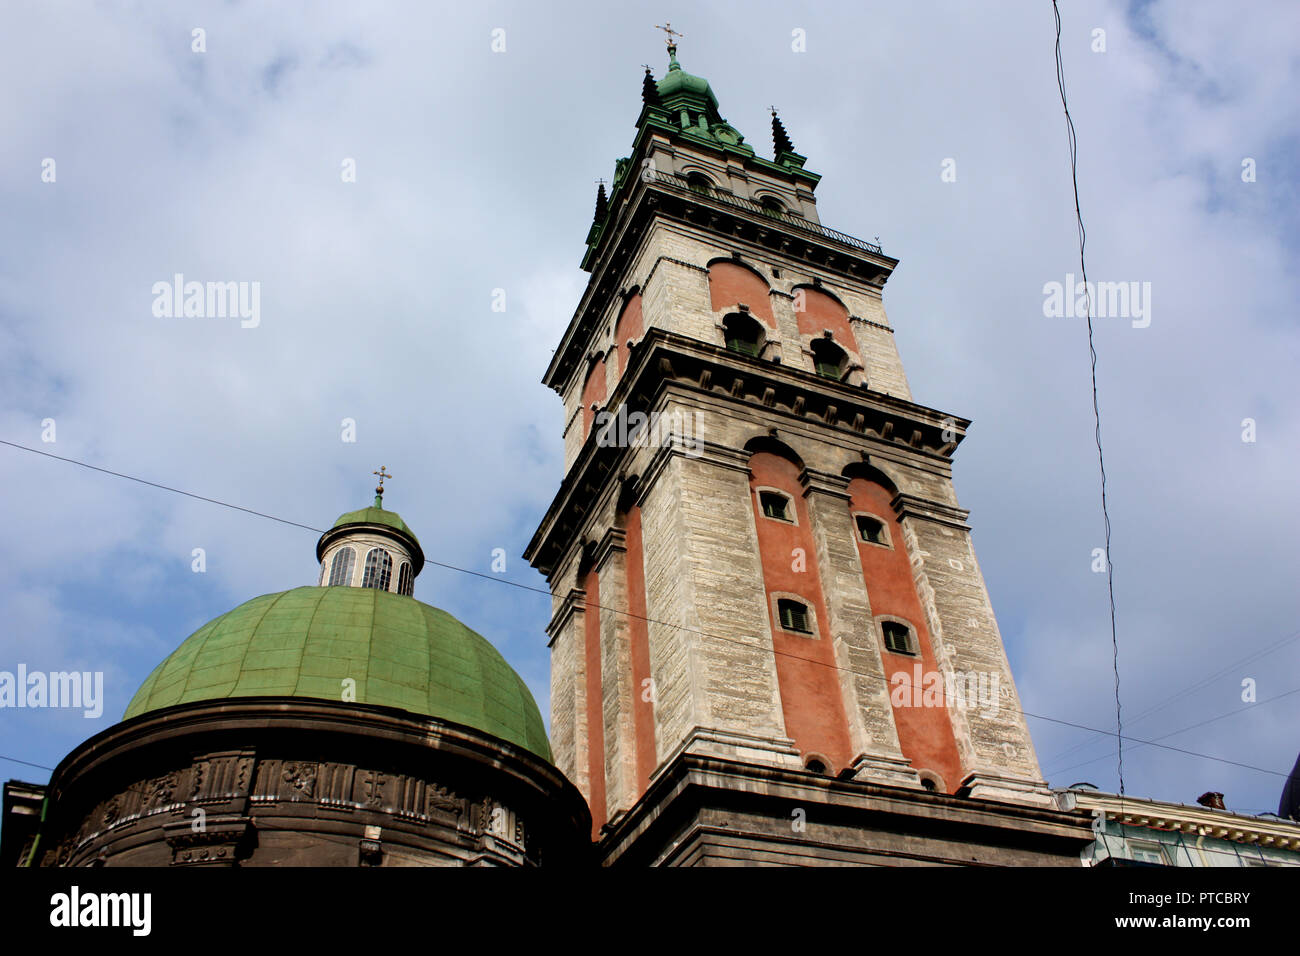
780 138
602 202
379 492
672 44
668 29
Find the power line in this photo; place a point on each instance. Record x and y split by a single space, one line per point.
649 620
1203 682
1096 409
153 484
1183 730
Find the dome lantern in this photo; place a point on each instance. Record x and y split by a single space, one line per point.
370 548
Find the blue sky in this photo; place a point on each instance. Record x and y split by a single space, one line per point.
476 171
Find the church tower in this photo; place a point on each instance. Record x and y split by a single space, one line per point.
762 580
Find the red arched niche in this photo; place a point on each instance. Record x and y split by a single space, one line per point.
816 311
629 327
593 393
805 665
924 732
731 283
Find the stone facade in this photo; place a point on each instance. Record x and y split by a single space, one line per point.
709 811
1129 831
282 782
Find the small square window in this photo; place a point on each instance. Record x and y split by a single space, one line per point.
871 530
775 505
898 639
1148 853
794 616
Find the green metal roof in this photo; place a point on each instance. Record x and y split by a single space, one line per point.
678 84
376 515
307 641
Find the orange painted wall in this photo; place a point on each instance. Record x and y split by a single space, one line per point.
593 393
821 312
630 326
643 716
595 704
924 733
805 666
730 284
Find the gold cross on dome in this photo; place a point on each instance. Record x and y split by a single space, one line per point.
382 473
669 31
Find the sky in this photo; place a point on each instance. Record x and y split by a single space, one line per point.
475 171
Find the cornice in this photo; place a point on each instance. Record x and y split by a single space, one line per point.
663 196
913 506
1193 821
662 359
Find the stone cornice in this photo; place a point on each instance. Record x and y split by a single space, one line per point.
689 780
1181 818
573 602
874 325
662 359
912 506
614 541
381 530
836 486
739 227
191 726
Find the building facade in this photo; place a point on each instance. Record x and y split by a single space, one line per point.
1141 832
762 579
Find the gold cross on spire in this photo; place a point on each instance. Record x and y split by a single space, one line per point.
382 473
670 32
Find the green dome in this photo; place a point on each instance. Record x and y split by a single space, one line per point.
307 641
678 81
373 515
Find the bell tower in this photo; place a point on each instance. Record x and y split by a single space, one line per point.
759 567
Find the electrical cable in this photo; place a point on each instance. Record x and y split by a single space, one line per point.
1096 409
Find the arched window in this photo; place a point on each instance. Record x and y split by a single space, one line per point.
872 530
775 505
898 637
794 615
743 334
829 358
405 582
699 183
379 569
772 206
341 567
